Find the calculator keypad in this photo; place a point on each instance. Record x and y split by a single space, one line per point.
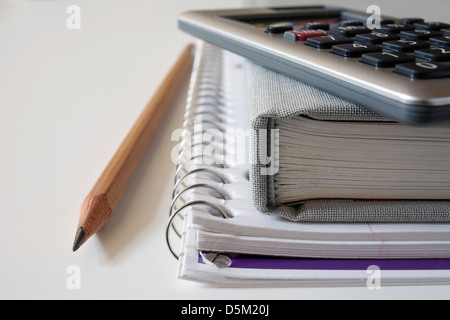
412 47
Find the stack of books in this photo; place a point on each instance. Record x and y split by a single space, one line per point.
281 184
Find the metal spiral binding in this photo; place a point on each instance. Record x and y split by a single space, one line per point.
205 99
198 202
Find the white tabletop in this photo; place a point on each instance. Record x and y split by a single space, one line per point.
67 100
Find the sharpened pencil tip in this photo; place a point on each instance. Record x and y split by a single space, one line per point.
79 239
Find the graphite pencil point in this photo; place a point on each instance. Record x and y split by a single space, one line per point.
79 239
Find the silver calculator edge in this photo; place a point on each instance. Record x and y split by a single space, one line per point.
416 102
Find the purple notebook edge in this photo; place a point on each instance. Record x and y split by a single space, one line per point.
282 263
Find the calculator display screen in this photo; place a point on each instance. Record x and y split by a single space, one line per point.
289 18
292 22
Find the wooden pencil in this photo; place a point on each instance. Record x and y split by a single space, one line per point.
104 196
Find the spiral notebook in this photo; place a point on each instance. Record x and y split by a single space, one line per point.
219 237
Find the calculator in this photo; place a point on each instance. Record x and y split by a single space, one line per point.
400 69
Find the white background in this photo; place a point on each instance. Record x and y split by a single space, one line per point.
67 100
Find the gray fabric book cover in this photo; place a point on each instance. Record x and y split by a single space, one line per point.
273 96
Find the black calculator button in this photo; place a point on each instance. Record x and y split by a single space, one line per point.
420 34
350 23
387 21
386 59
433 54
317 26
412 20
424 70
394 28
405 45
436 26
278 28
443 42
327 42
376 37
354 50
350 31
446 31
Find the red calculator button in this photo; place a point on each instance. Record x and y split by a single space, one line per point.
302 35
